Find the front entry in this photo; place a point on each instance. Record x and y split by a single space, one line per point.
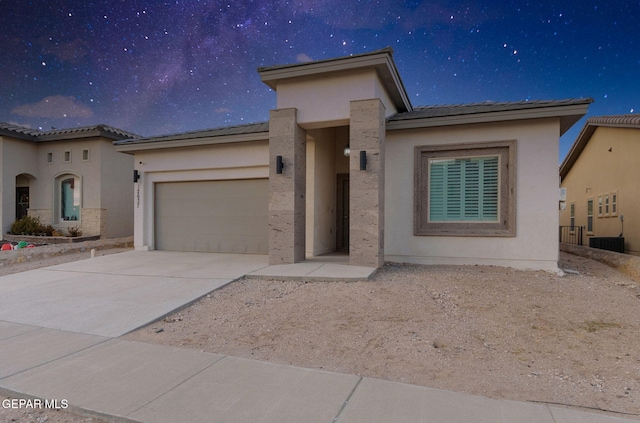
342 213
22 202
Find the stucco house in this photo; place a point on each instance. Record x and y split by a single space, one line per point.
67 178
601 177
461 184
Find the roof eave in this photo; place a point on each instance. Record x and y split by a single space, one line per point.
568 114
182 141
577 147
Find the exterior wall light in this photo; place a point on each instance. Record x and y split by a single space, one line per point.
279 165
347 151
136 175
363 160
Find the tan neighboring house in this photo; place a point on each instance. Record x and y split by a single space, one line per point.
461 184
67 178
601 177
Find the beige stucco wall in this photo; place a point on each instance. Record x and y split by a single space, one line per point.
324 100
105 179
244 160
116 193
16 157
321 192
599 171
536 242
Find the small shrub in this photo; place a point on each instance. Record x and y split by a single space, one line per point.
28 225
47 230
74 231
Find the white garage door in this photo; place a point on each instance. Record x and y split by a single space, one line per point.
213 216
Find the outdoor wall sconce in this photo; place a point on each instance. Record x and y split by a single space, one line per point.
136 175
363 160
279 165
347 151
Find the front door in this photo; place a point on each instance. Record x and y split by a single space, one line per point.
22 202
342 215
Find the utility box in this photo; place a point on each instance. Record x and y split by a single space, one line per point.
610 243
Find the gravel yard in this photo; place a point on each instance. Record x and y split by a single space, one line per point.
491 331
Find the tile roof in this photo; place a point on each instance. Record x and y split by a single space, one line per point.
615 120
449 110
246 129
61 134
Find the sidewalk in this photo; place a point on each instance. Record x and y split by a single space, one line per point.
125 381
59 329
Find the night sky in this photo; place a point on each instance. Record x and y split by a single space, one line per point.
161 67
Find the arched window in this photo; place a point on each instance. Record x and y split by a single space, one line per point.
68 198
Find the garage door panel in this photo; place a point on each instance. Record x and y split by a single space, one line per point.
213 216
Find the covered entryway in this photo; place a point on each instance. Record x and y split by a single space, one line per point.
228 216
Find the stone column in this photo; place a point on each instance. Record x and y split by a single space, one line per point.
286 191
366 198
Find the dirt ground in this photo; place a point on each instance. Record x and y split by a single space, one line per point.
491 331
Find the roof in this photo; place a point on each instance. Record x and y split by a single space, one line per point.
569 110
615 121
380 60
220 135
427 116
36 135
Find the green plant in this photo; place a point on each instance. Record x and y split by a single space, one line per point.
74 231
28 225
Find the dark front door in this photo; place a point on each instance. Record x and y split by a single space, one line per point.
342 215
22 202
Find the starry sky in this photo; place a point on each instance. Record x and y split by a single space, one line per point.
160 67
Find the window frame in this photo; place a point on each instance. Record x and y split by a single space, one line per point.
49 157
590 204
600 205
66 156
57 198
614 203
506 223
572 218
85 155
607 205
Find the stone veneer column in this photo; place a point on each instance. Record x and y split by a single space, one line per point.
366 198
286 191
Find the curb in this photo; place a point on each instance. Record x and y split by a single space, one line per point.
54 250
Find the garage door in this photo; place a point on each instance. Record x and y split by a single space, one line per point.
213 216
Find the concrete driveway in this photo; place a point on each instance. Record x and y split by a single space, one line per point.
115 294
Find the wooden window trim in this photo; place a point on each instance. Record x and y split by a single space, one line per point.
505 227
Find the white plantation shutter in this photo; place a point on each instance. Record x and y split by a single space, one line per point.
463 189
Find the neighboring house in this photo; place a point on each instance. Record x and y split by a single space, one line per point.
601 176
67 178
463 184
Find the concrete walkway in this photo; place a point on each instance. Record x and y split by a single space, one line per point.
79 359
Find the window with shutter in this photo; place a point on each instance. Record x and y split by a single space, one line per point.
465 190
